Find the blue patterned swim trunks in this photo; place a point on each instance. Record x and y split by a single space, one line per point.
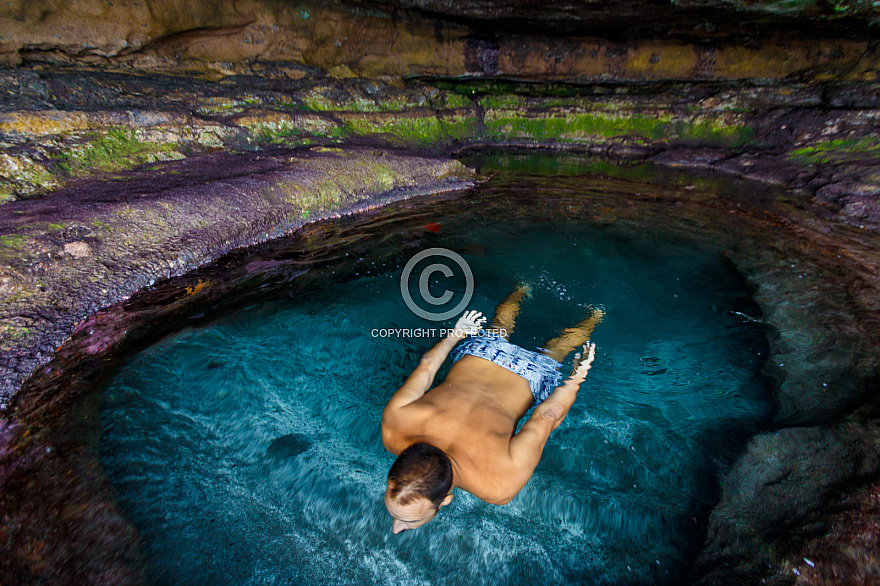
540 370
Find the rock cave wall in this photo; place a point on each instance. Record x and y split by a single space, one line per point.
186 110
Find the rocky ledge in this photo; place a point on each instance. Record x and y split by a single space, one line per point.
819 138
92 244
140 140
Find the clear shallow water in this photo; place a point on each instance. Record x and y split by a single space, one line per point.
248 451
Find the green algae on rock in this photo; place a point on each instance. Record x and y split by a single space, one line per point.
764 138
837 151
116 150
585 127
97 251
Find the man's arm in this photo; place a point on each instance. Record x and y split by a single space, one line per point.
418 383
527 446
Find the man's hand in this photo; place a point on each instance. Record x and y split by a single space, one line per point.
469 324
422 377
579 374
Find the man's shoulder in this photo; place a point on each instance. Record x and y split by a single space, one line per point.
401 423
500 477
493 486
419 408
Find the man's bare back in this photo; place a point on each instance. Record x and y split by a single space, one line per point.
472 415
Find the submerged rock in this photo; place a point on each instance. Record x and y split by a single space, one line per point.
783 496
288 446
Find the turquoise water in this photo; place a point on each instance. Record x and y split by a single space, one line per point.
248 451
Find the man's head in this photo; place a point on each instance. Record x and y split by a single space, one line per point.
419 483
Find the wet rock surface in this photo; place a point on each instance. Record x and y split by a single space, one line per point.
819 138
776 517
68 254
690 17
142 140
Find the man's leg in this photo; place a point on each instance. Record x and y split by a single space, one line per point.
571 338
507 310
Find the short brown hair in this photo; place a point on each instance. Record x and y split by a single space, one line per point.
421 470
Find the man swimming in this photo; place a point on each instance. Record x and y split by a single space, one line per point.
461 434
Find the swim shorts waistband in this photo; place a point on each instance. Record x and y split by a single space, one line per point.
541 371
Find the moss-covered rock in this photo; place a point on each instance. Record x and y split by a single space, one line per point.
567 126
24 176
419 128
116 150
775 133
271 127
90 254
838 151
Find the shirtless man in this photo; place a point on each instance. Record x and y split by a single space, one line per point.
461 434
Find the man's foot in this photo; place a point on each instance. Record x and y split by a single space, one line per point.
559 347
596 316
507 310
